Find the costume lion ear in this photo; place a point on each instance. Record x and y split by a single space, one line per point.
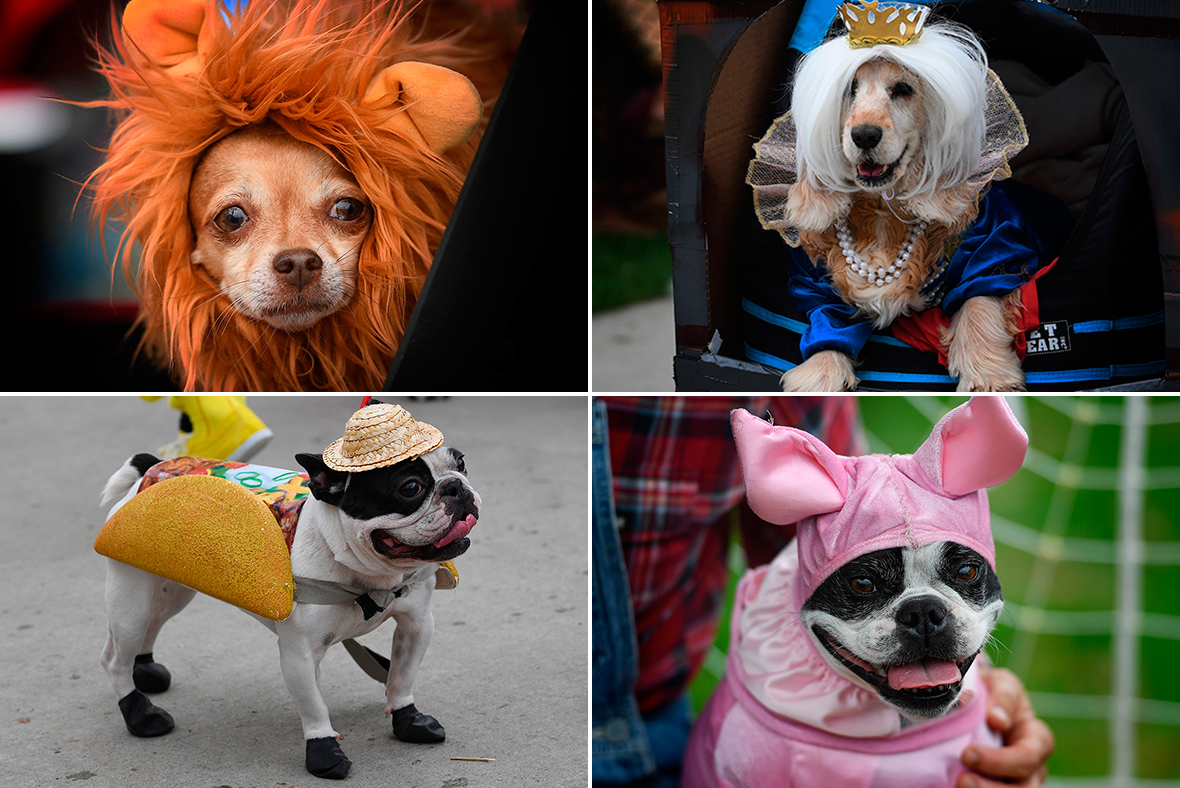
165 32
439 105
168 32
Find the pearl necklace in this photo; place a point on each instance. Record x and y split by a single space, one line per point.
877 276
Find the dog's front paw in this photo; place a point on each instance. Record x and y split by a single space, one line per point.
827 370
967 385
149 675
325 759
144 719
411 725
979 345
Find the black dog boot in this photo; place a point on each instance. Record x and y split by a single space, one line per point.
149 675
411 725
326 759
142 718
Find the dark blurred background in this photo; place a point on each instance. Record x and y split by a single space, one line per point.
631 259
66 321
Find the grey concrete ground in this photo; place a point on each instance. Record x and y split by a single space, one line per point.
633 347
506 673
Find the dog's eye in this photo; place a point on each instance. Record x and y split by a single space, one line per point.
968 572
852 89
409 489
231 219
347 210
863 585
902 90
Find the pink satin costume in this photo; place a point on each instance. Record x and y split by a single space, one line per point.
783 717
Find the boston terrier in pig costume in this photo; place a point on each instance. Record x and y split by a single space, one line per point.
849 653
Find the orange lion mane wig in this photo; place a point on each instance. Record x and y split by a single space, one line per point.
303 66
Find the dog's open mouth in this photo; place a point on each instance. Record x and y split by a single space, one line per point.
871 174
924 681
452 544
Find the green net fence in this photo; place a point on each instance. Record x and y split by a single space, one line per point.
1088 551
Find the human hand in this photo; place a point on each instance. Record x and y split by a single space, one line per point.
1028 742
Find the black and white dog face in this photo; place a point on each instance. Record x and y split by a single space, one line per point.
907 623
417 511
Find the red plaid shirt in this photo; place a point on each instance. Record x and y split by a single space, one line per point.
676 478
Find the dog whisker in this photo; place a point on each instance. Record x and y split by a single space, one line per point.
994 645
266 332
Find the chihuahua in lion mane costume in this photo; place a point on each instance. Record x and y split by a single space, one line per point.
384 102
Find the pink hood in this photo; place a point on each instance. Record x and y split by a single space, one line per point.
849 506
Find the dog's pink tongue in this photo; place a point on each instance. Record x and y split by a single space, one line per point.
923 673
870 170
461 529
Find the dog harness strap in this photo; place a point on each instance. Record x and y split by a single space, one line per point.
326 592
368 607
373 664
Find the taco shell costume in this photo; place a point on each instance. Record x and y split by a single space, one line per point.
226 528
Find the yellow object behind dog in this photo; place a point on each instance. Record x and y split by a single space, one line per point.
209 534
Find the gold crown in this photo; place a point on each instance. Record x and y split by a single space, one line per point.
870 24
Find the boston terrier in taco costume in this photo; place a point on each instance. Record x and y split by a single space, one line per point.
850 654
364 535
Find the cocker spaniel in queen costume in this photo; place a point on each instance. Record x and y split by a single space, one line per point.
881 180
829 682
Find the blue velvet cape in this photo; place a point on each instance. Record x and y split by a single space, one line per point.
997 254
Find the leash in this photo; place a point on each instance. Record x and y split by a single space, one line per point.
372 663
310 591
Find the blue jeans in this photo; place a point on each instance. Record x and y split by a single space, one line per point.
627 749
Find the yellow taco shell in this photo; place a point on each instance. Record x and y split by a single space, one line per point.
209 534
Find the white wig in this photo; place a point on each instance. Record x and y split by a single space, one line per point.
950 62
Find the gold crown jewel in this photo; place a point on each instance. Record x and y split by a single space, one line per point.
870 22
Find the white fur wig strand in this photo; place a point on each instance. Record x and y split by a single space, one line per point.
950 62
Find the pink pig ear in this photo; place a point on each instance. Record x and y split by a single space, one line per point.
978 444
789 474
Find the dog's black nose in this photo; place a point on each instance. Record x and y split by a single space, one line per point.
457 499
922 617
300 267
865 136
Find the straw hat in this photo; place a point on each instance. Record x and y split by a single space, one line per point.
380 435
